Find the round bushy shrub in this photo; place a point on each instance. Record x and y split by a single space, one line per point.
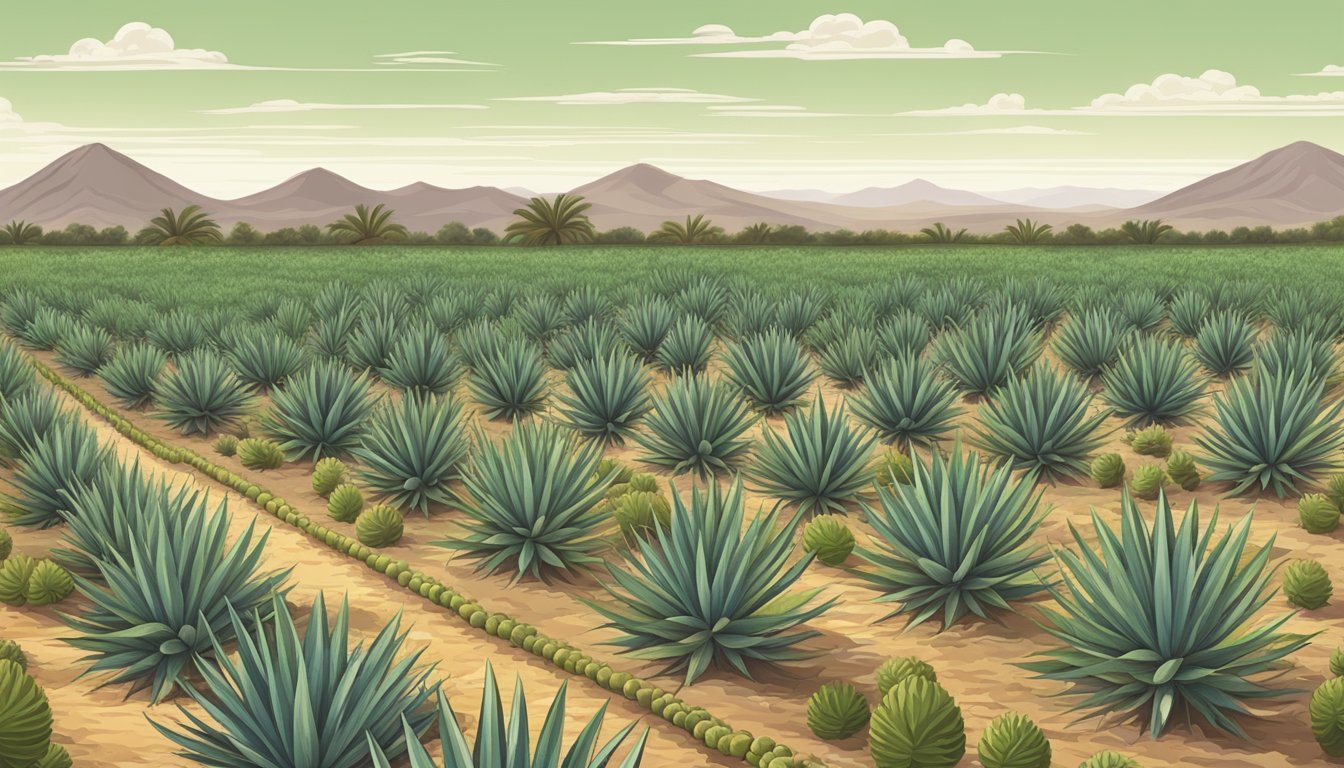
256 453
1109 759
1317 513
379 526
1108 470
25 715
894 468
1337 662
14 574
1182 470
897 670
10 651
1013 741
6 544
48 583
638 512
917 724
55 757
1148 481
345 503
829 538
226 445
837 711
327 474
1327 716
1153 441
1306 584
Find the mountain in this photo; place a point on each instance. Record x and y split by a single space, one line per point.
1298 184
1076 197
913 192
98 186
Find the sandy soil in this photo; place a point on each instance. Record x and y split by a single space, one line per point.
975 660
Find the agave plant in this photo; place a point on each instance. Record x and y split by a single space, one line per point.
509 746
1161 621
1027 232
1142 309
60 459
540 317
190 226
797 313
1043 422
130 374
956 540
450 310
822 464
47 330
904 332
592 340
1187 312
421 363
1091 341
1307 356
26 418
850 359
752 314
607 398
265 360
371 345
532 500
109 513
413 449
165 601
85 349
697 425
319 412
587 303
1154 382
510 383
1043 300
368 226
310 700
709 591
1296 310
1225 345
906 403
560 221
988 350
17 374
330 339
1272 431
704 298
685 349
176 333
770 369
201 394
645 324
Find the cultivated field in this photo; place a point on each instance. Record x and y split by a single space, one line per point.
965 496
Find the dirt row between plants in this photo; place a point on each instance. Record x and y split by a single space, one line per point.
976 661
102 727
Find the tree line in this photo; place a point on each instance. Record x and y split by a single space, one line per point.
563 220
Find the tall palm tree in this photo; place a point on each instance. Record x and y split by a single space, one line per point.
1146 232
939 233
368 226
190 226
757 234
1027 232
697 229
552 222
22 233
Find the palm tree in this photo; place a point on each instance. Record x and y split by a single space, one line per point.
22 233
191 226
697 229
939 233
368 227
1146 232
552 222
757 234
1027 232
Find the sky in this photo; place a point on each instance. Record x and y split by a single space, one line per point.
974 94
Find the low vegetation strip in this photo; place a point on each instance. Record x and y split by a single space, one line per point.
760 751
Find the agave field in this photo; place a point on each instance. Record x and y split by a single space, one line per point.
1005 507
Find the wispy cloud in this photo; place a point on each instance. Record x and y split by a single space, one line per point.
1329 70
290 105
830 37
1016 130
636 96
773 110
417 58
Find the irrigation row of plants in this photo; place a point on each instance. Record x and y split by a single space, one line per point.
697 721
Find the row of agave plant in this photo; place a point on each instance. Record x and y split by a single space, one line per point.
962 515
176 604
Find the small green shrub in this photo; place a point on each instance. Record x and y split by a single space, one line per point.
638 512
1182 470
1013 741
26 716
14 574
917 724
895 468
55 757
1108 470
1337 662
1334 491
837 711
379 526
1148 481
345 503
10 651
49 583
1306 584
1109 759
829 538
327 474
1153 441
1317 514
6 544
226 445
897 670
1327 716
256 453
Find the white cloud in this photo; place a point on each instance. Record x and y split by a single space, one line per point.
772 110
1329 70
830 37
636 96
1016 130
135 46
7 114
290 105
998 104
429 57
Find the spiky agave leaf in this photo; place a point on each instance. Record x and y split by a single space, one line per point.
1092 340
697 425
685 349
177 333
1225 344
509 746
422 363
770 369
412 449
372 342
707 591
607 398
201 394
510 382
849 360
1155 381
1161 621
160 604
540 317
28 417
906 403
85 349
821 465
1272 431
130 374
319 412
956 540
645 324
58 461
1043 422
107 515
750 315
309 700
265 359
594 339
1309 357
17 374
988 350
531 500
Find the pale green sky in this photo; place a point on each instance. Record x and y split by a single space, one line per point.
840 104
